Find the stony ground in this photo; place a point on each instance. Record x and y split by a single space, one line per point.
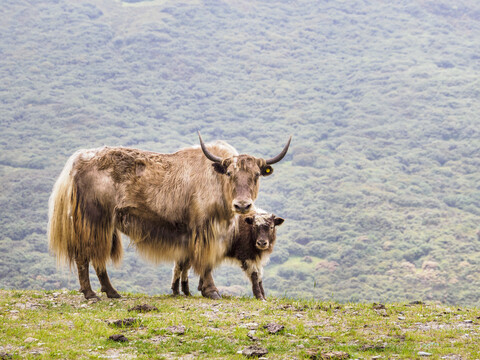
63 325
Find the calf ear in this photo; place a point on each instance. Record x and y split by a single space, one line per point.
266 170
278 221
249 220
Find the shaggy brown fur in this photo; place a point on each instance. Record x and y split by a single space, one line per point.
168 204
249 243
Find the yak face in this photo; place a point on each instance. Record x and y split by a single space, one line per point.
241 179
263 229
242 174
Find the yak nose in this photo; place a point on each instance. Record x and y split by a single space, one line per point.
262 244
242 206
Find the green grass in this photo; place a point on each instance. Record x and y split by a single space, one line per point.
62 325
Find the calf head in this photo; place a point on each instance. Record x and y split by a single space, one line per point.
242 173
264 229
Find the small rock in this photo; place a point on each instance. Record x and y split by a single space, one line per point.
118 337
30 340
251 335
274 328
325 338
5 356
423 353
401 318
180 330
468 321
254 351
251 326
378 306
143 308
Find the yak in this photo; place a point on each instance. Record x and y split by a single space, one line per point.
168 205
249 243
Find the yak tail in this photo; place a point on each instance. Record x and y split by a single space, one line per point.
73 232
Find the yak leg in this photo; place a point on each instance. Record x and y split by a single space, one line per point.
84 278
180 274
185 267
207 286
106 285
177 271
256 286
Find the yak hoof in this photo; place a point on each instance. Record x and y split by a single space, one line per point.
90 295
213 294
114 295
185 288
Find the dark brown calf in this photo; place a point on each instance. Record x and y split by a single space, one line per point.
249 243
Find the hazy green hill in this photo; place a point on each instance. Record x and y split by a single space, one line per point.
380 188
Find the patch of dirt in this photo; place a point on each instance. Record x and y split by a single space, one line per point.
143 308
123 323
254 351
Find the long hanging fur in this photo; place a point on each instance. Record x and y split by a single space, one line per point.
73 231
170 205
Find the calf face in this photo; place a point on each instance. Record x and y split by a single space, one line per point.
263 229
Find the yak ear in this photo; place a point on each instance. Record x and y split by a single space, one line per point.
266 170
220 168
278 221
139 167
249 220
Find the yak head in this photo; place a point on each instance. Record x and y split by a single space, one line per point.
242 173
263 229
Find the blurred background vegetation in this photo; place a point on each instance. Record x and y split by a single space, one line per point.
380 189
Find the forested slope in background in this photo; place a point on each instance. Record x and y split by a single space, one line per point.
380 189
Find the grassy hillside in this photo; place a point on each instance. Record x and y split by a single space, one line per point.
380 190
60 325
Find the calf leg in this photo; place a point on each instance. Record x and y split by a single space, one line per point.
84 278
207 286
260 284
105 283
256 286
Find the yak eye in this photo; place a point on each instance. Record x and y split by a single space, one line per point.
229 173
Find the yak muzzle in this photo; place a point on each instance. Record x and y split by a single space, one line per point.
243 206
262 244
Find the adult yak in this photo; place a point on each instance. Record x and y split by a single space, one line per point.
170 205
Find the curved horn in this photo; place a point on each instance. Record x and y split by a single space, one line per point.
281 155
207 153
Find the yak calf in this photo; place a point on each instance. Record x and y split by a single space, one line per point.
249 243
